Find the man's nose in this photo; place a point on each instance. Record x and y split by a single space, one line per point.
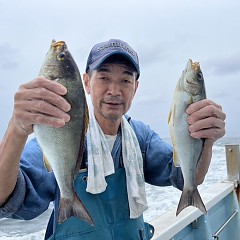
114 89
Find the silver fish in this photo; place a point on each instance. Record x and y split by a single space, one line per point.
187 150
63 147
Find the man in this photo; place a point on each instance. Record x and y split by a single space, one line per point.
111 79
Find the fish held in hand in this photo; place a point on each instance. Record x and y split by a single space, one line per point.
63 147
187 150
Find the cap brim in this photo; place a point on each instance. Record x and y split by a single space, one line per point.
98 62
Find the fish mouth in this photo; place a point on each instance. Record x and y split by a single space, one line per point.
195 66
60 45
191 83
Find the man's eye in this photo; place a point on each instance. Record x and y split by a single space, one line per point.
103 78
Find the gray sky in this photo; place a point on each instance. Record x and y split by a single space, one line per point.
165 33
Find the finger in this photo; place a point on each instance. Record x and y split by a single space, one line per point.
201 104
50 121
208 128
206 112
207 123
26 119
41 93
212 133
35 118
27 92
41 107
42 82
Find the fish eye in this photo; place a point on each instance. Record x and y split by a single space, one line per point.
61 56
200 76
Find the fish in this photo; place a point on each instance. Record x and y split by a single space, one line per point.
187 151
63 147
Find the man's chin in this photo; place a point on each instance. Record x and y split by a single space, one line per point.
114 117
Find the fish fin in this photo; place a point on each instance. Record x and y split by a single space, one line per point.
191 198
47 165
175 158
172 114
169 116
75 208
82 140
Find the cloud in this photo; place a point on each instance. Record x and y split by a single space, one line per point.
8 57
150 52
147 99
224 65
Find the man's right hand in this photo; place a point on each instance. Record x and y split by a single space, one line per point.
39 101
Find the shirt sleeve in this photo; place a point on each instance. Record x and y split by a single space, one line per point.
159 169
35 187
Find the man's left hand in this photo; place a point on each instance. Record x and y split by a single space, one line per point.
206 120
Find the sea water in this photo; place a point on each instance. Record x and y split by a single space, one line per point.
160 199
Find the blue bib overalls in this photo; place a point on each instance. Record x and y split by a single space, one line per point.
110 213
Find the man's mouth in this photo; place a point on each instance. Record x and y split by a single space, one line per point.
113 103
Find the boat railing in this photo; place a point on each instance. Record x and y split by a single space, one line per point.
222 220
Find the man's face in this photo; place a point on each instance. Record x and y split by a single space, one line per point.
112 88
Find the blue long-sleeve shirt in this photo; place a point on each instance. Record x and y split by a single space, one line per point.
36 188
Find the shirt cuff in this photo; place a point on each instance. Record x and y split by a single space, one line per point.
16 198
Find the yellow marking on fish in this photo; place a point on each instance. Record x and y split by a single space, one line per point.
196 66
58 45
172 114
47 165
176 160
190 101
169 116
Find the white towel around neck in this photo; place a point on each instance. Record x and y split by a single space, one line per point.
100 164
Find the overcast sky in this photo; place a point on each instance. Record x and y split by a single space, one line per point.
165 34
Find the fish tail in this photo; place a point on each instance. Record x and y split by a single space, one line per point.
191 198
73 207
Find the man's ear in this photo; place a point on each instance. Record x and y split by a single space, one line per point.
86 80
136 87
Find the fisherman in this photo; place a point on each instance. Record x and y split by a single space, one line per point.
111 79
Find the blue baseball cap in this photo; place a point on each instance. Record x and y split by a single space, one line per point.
101 51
